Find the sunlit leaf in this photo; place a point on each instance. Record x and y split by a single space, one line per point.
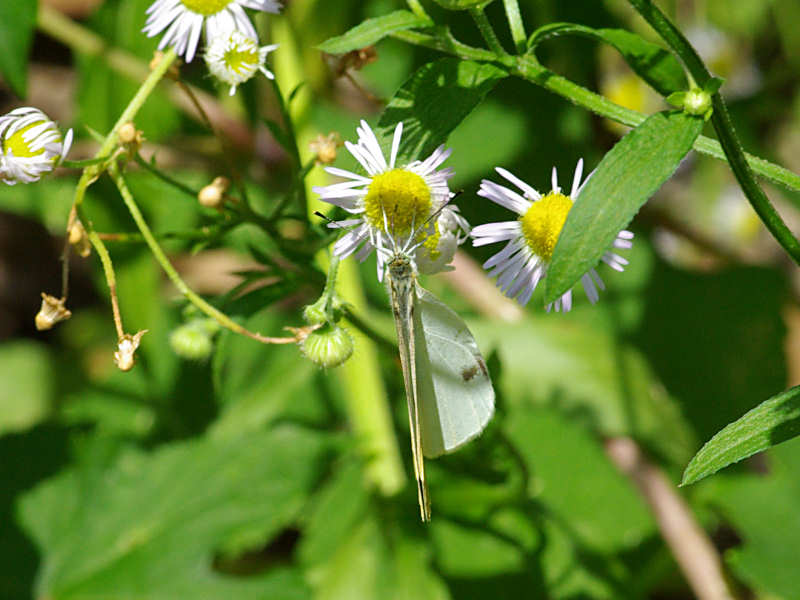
771 422
434 101
26 373
462 4
658 67
624 180
373 30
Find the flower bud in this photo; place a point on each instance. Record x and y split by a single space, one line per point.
192 340
52 311
125 357
329 346
78 239
212 195
31 145
325 147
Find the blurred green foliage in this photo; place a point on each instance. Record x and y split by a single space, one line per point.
239 476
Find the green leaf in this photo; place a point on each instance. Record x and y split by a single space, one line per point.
147 525
434 101
373 30
771 422
26 371
17 23
462 4
624 180
658 67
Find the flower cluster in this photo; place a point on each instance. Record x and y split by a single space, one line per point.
31 145
406 206
233 54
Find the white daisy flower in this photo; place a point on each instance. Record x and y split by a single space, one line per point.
523 263
234 58
183 21
391 204
31 145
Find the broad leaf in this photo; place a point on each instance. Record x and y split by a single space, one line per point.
148 525
373 30
658 67
17 22
434 101
624 180
771 422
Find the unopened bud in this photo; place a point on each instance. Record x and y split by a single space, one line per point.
325 147
130 136
78 239
213 194
125 356
52 311
329 346
192 340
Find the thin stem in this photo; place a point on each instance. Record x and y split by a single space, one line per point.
164 177
81 164
528 68
173 275
724 127
111 280
294 149
135 238
417 9
485 27
516 25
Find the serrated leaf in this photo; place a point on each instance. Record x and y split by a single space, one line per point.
462 4
17 22
148 524
373 30
624 180
771 422
434 101
658 67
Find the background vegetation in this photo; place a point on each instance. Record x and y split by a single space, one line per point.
255 474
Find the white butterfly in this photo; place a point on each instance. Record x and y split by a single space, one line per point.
448 388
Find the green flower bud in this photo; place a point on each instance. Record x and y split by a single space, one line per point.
329 346
191 341
314 314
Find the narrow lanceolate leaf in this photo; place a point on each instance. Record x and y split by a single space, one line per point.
624 180
462 4
657 66
434 101
771 422
373 30
17 22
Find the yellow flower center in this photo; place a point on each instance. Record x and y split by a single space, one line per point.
205 7
431 243
241 59
402 196
543 222
19 145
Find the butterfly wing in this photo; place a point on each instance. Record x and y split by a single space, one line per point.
454 390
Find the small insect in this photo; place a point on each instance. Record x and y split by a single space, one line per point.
446 409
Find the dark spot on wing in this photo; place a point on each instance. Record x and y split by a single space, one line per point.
482 365
468 374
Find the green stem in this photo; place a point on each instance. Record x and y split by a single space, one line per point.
82 164
516 25
485 27
170 271
417 9
136 238
164 177
724 127
529 68
111 279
